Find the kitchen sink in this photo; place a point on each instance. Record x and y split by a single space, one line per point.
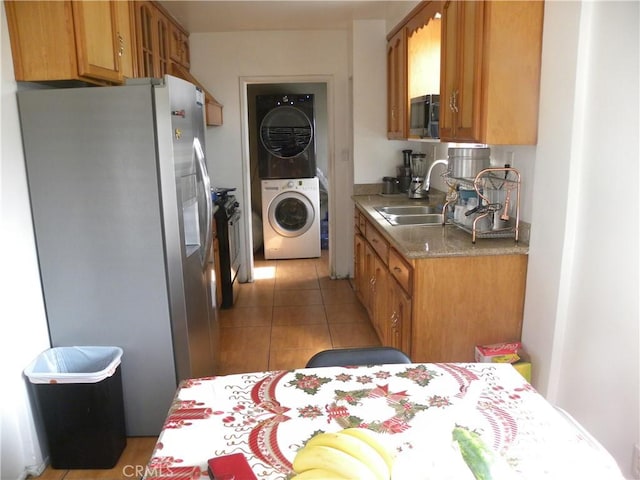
411 214
407 210
426 219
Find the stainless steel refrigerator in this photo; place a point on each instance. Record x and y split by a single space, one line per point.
122 213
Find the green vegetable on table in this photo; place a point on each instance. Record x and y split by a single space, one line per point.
480 459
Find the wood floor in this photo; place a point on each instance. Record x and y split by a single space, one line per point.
291 311
131 465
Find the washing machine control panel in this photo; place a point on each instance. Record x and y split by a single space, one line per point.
299 184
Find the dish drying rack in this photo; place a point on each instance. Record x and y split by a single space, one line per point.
490 182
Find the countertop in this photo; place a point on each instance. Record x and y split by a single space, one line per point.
421 241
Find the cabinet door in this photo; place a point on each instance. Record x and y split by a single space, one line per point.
460 71
480 303
448 69
360 270
146 38
153 35
467 94
186 51
32 26
397 100
368 292
97 45
399 324
379 297
179 46
125 38
164 36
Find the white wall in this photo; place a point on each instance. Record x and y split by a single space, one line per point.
374 156
223 61
24 328
581 312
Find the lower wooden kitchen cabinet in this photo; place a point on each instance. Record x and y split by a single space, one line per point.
386 302
438 309
461 302
370 281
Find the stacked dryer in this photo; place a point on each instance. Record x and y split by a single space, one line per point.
287 168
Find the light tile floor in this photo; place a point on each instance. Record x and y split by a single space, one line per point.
291 311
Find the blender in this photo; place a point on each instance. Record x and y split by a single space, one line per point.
404 172
418 172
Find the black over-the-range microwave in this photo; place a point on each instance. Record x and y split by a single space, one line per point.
425 116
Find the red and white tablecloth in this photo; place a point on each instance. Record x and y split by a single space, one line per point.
268 416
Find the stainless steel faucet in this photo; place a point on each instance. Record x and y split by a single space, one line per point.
426 183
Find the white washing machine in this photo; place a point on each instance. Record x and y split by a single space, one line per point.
291 218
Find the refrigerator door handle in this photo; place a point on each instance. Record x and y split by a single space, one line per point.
206 186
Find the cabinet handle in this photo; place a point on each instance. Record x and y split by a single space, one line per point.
397 269
121 42
455 101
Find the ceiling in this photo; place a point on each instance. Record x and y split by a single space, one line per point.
242 15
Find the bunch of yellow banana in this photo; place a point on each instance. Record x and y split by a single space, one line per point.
352 453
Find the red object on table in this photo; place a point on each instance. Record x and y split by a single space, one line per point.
230 467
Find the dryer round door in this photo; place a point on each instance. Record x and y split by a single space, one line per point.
286 132
291 214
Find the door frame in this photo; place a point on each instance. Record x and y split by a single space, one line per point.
244 83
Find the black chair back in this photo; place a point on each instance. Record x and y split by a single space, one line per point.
358 356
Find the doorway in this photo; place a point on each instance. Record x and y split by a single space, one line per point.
319 87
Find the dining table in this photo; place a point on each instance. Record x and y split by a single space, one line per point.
268 416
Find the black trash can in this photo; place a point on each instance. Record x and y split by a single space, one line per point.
78 391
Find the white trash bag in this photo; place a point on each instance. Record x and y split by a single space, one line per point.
74 365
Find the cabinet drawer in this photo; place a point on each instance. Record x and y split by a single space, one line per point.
378 243
400 270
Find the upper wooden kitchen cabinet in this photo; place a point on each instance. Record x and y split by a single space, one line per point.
78 41
153 37
413 64
163 48
490 73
